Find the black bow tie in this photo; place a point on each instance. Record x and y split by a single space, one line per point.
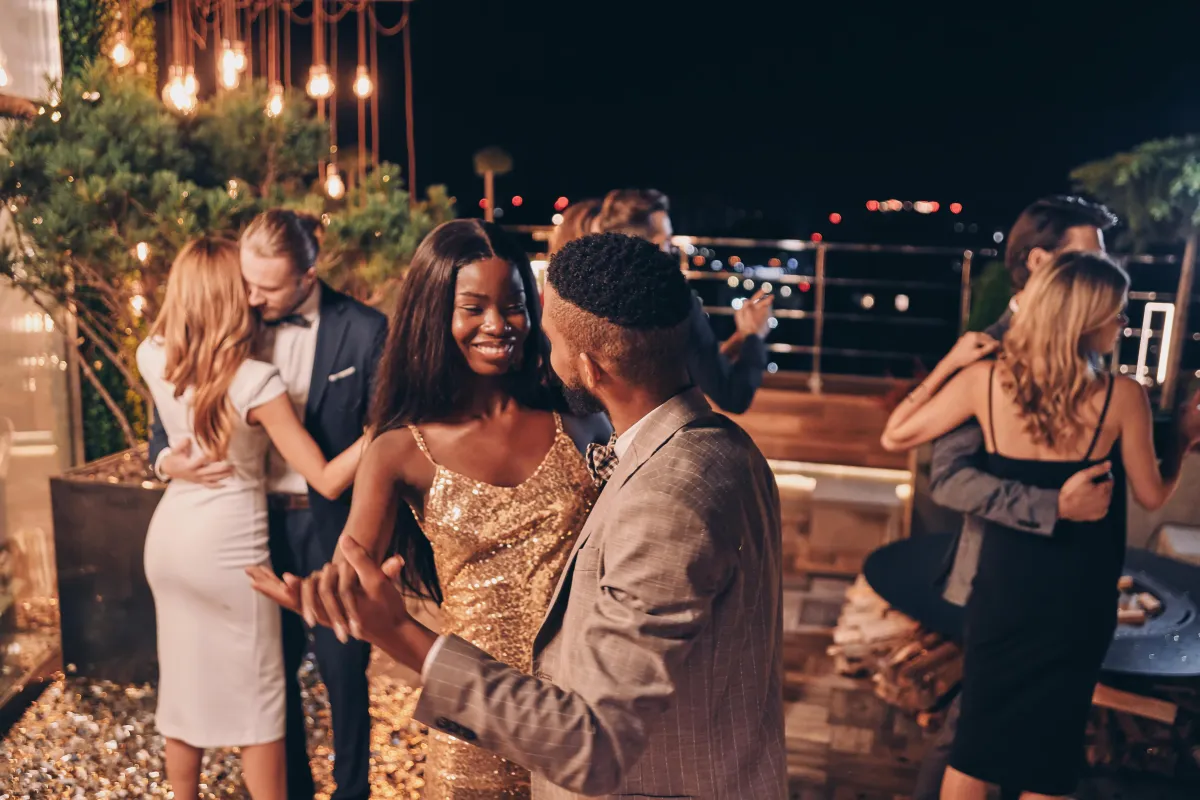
299 320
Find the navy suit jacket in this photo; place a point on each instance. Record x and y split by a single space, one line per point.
350 334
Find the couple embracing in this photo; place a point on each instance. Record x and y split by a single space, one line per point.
634 653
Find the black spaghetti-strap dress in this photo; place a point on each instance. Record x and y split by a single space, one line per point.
1039 621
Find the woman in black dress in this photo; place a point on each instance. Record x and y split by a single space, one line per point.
1042 609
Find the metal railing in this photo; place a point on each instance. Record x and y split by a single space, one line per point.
826 269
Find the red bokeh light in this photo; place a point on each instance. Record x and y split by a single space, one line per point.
934 206
956 208
561 203
872 205
483 203
835 218
517 201
804 287
816 237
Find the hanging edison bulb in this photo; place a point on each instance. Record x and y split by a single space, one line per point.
239 56
275 100
190 84
227 66
363 86
175 93
320 82
334 186
121 53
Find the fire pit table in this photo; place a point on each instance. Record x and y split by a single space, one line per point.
1167 644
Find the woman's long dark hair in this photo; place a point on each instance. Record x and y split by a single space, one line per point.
423 376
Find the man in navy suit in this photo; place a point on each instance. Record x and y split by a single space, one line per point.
327 347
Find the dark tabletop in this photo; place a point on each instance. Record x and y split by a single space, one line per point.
904 573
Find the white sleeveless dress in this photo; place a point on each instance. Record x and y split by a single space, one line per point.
220 651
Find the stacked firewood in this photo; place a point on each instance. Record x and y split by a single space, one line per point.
1153 732
1135 606
911 668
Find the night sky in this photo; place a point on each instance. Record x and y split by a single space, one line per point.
788 111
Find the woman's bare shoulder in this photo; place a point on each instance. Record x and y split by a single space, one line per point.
1128 392
395 450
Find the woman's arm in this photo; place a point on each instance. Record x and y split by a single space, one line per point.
929 410
1152 485
377 493
329 478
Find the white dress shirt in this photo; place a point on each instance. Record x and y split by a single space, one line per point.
292 348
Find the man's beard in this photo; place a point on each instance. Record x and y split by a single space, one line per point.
580 401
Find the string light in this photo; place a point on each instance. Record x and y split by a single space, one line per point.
227 66
275 100
363 87
121 53
320 84
239 56
143 251
176 92
190 84
334 186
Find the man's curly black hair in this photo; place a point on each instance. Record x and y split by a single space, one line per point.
622 279
626 302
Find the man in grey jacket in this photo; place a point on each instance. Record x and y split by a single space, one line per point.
1050 226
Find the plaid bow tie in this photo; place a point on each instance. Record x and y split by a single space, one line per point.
299 320
602 460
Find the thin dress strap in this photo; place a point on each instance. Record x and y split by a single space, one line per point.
558 425
991 416
1100 425
420 440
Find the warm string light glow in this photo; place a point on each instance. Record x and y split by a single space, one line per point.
142 251
180 91
121 53
363 86
227 65
320 83
335 187
275 100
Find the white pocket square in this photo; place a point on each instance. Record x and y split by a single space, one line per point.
346 373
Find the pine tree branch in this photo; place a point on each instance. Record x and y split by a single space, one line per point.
130 437
134 384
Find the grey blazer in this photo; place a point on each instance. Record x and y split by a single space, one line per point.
958 481
658 668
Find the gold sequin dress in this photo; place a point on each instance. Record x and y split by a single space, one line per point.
499 552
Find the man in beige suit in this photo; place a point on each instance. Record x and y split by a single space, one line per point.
658 668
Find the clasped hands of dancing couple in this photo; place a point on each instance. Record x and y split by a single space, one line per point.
355 597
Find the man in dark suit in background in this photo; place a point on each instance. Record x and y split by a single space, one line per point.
327 347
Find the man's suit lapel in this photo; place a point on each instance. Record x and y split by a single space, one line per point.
663 423
331 334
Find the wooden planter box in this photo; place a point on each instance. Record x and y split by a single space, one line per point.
105 604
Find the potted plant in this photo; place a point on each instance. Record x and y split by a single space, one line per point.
104 185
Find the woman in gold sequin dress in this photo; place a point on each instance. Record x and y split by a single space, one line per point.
471 441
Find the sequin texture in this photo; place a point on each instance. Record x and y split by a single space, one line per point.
499 552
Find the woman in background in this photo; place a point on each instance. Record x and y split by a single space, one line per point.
1042 610
220 654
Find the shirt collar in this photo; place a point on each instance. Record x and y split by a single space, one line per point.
621 447
1012 305
310 309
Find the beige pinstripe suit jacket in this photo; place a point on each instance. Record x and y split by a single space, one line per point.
658 669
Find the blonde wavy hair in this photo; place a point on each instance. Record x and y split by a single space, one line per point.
1049 353
208 331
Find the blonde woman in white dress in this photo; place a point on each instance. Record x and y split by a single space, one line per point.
221 679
